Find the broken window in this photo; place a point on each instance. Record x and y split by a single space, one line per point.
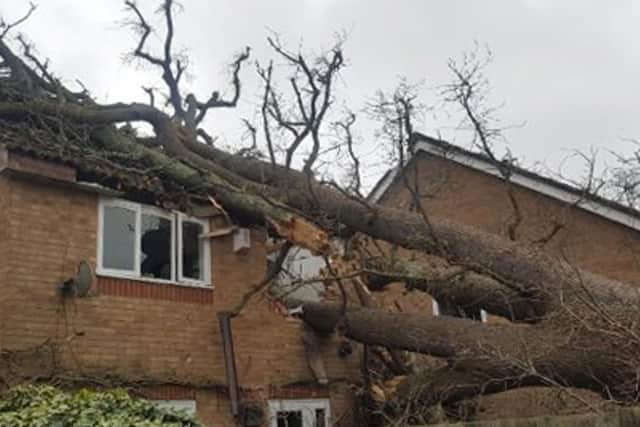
156 258
192 250
137 241
295 279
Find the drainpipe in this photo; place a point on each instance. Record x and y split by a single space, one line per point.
224 318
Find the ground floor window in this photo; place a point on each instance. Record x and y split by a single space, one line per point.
444 308
299 413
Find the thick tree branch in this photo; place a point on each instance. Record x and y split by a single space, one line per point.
461 287
438 336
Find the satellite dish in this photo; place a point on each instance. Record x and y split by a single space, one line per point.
81 283
84 279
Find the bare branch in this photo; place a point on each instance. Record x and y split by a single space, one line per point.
6 27
311 87
272 273
170 78
150 92
209 140
345 126
215 101
470 90
266 74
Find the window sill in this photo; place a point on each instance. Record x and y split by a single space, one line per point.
186 284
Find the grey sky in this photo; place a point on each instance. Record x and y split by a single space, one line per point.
569 69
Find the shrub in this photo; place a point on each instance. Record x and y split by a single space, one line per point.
43 405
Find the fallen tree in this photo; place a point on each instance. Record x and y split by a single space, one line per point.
569 327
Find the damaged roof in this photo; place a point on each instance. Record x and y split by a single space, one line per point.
76 148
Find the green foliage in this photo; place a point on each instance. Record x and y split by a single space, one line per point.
36 406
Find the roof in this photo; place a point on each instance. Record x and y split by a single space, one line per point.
83 161
595 204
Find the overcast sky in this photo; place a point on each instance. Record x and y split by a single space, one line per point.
567 69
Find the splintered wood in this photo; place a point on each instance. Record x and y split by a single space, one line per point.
303 233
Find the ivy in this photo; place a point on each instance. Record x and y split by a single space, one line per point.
43 405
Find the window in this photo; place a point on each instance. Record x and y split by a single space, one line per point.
144 242
299 265
156 246
299 413
192 260
444 308
119 241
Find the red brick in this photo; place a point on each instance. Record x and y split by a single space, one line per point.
135 329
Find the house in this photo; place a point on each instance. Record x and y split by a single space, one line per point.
153 315
462 186
167 268
591 232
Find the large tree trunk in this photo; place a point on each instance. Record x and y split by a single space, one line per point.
575 309
575 328
488 358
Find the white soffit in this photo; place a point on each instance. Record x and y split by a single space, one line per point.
525 181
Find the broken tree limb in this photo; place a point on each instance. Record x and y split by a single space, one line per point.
423 333
313 354
240 201
488 357
460 286
588 335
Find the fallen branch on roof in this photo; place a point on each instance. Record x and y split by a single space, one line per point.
584 330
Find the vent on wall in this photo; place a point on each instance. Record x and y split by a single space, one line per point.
241 240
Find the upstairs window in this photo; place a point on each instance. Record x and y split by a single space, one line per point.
192 261
157 245
144 242
119 238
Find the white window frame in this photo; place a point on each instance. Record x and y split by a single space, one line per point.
302 405
206 251
116 203
176 219
435 308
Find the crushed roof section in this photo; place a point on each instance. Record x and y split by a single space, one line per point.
75 147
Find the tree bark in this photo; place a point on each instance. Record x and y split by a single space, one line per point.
584 329
458 285
485 358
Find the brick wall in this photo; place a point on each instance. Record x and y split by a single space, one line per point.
470 197
156 333
5 198
466 196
